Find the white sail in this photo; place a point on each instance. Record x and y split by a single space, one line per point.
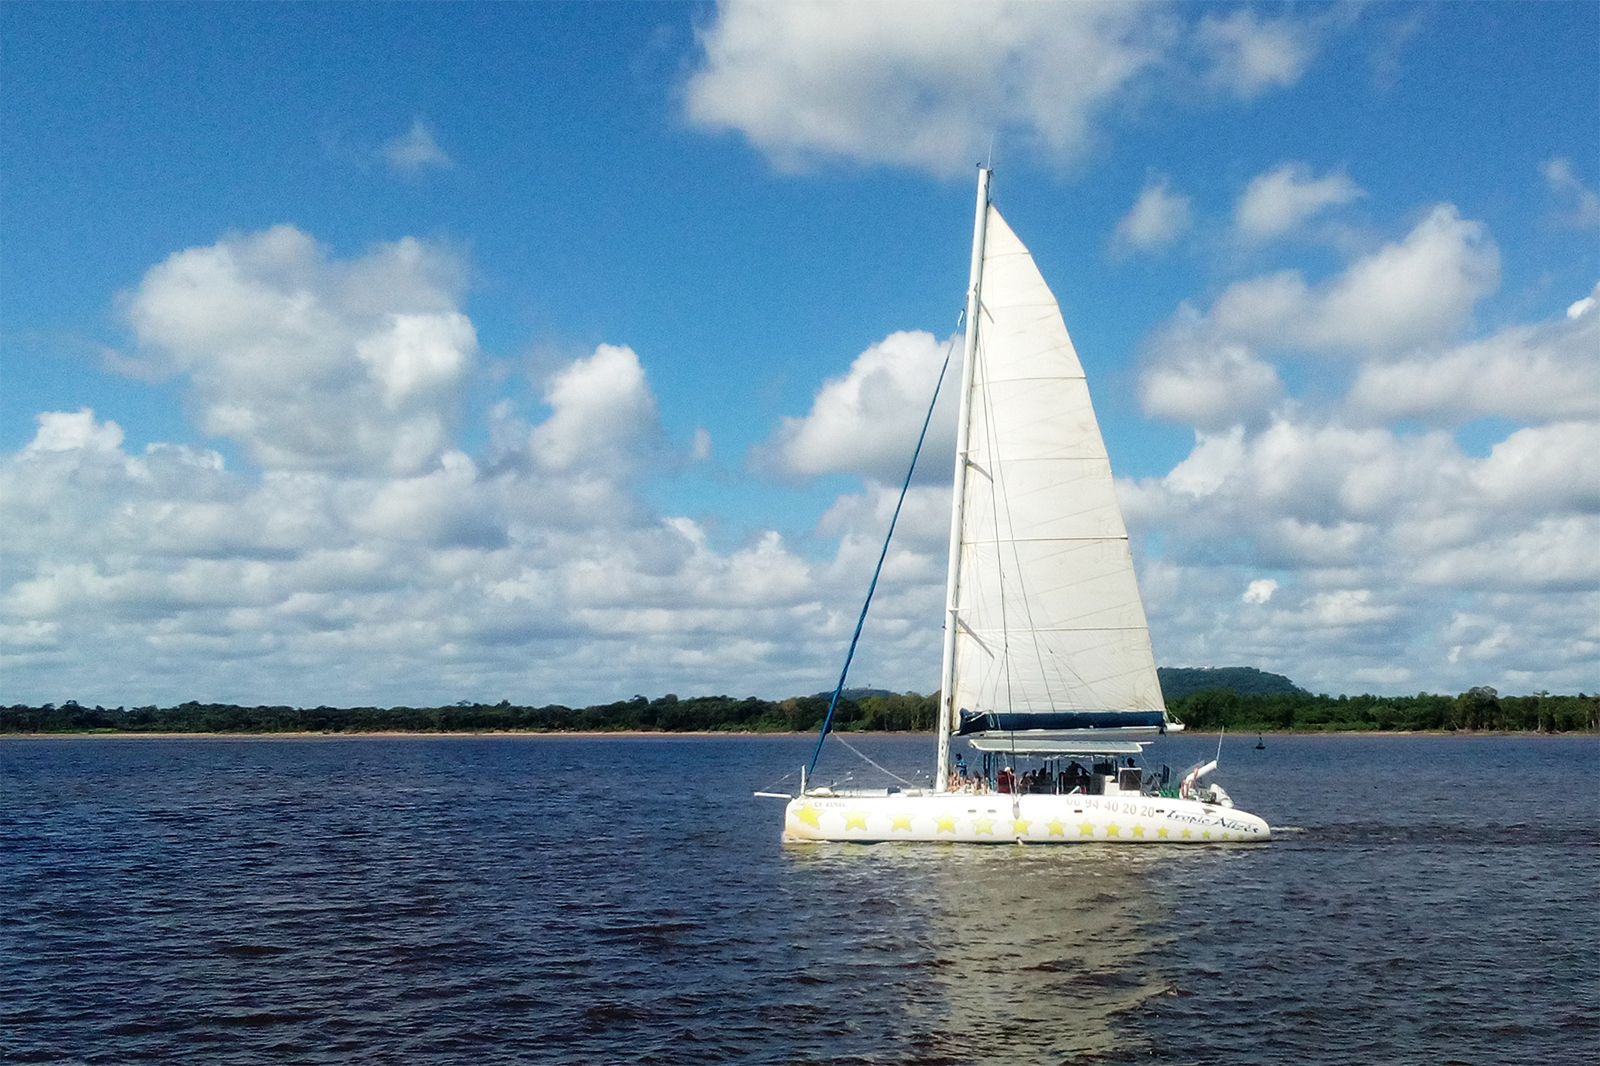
1048 615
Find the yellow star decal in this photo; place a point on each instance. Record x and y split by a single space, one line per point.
1086 829
808 815
946 824
1162 832
1187 834
1056 828
856 820
1206 835
1019 827
983 825
1113 830
1138 830
901 821
1224 835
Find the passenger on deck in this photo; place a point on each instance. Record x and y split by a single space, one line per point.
1005 780
1077 777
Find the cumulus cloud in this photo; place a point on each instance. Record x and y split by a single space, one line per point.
1405 297
1209 386
601 412
165 576
1158 217
1248 56
931 85
867 420
1260 590
351 563
416 150
60 431
1531 373
1388 535
1580 204
1398 544
311 362
1278 202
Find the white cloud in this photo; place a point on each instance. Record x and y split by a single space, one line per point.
1581 204
1388 536
1280 201
1260 590
1393 537
1210 387
1390 304
601 412
415 150
1247 56
165 577
312 363
60 432
1158 217
867 421
1553 469
932 85
1532 373
335 574
1409 293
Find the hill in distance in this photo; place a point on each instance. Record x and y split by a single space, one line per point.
856 693
1180 681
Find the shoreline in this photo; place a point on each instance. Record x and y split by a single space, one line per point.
644 734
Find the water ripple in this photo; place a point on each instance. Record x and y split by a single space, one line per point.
571 900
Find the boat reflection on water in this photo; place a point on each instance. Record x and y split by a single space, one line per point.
1025 955
1042 950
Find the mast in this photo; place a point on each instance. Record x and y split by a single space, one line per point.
947 673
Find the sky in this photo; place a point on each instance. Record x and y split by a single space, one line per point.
414 353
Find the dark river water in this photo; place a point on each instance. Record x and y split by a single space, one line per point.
625 900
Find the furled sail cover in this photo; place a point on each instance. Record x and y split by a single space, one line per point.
1048 614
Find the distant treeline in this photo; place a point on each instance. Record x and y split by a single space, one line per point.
666 714
1478 708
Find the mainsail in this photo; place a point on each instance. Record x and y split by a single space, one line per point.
1050 632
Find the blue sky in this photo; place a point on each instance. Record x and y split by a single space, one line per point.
569 283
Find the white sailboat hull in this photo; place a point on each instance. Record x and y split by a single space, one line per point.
998 818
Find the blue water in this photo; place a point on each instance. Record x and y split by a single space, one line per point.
602 900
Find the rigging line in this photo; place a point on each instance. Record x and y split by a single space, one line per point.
998 485
998 503
1008 538
778 782
827 720
869 761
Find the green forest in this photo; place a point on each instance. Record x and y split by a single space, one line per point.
1206 709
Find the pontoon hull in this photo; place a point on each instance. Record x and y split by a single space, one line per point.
1006 819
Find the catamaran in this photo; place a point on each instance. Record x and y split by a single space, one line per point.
1047 656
